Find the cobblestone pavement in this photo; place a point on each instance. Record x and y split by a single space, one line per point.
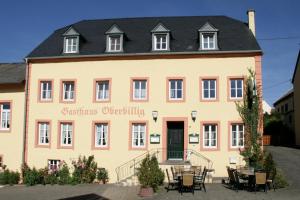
286 158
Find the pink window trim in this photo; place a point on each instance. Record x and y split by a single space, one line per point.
11 111
202 78
130 147
95 92
230 148
37 145
39 91
183 89
132 79
62 90
202 124
94 147
59 146
229 78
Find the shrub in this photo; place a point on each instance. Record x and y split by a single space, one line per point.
149 173
84 170
9 177
280 181
33 177
102 175
64 175
51 178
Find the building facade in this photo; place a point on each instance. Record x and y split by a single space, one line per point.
296 84
120 88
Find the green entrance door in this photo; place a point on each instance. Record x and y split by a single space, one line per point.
175 145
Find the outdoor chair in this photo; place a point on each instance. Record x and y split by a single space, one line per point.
173 173
200 180
187 182
239 183
271 179
178 169
260 179
171 182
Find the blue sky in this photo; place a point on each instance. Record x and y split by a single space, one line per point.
24 24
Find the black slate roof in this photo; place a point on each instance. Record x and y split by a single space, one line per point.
233 35
12 73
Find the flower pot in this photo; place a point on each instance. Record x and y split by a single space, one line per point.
146 192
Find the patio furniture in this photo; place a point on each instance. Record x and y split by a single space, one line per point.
271 178
178 169
231 180
200 180
173 173
239 183
260 179
171 182
187 182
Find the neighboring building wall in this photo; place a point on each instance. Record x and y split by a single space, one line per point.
120 71
297 104
11 142
286 109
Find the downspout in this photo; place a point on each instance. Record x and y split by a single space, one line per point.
25 113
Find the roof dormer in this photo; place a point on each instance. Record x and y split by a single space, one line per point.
114 39
160 38
208 37
71 41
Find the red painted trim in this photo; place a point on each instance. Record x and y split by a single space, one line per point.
131 89
202 78
165 132
94 135
94 90
61 90
10 117
229 99
130 147
183 89
259 85
230 148
59 146
39 91
217 148
27 112
37 145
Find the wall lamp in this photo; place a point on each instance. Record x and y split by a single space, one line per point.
194 115
155 115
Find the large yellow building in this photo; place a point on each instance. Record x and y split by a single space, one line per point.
119 88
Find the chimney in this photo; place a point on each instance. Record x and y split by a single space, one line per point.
251 20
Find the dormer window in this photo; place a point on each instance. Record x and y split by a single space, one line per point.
114 39
71 41
208 37
160 38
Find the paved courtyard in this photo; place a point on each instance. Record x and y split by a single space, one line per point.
287 159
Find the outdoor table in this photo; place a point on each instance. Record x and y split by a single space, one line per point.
250 174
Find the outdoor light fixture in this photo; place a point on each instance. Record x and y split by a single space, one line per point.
194 115
154 115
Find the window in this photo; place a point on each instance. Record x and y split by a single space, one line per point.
103 90
176 89
140 88
5 116
71 44
209 89
210 132
68 93
53 165
138 135
115 43
46 90
66 134
236 88
101 135
43 131
160 42
208 41
237 135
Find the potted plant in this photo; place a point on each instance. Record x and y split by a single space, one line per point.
150 176
102 175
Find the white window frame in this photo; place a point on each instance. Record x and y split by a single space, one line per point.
71 44
68 134
210 139
210 39
209 89
101 134
237 134
48 91
43 133
52 163
5 116
113 43
141 135
68 91
236 88
160 42
139 90
102 93
176 89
